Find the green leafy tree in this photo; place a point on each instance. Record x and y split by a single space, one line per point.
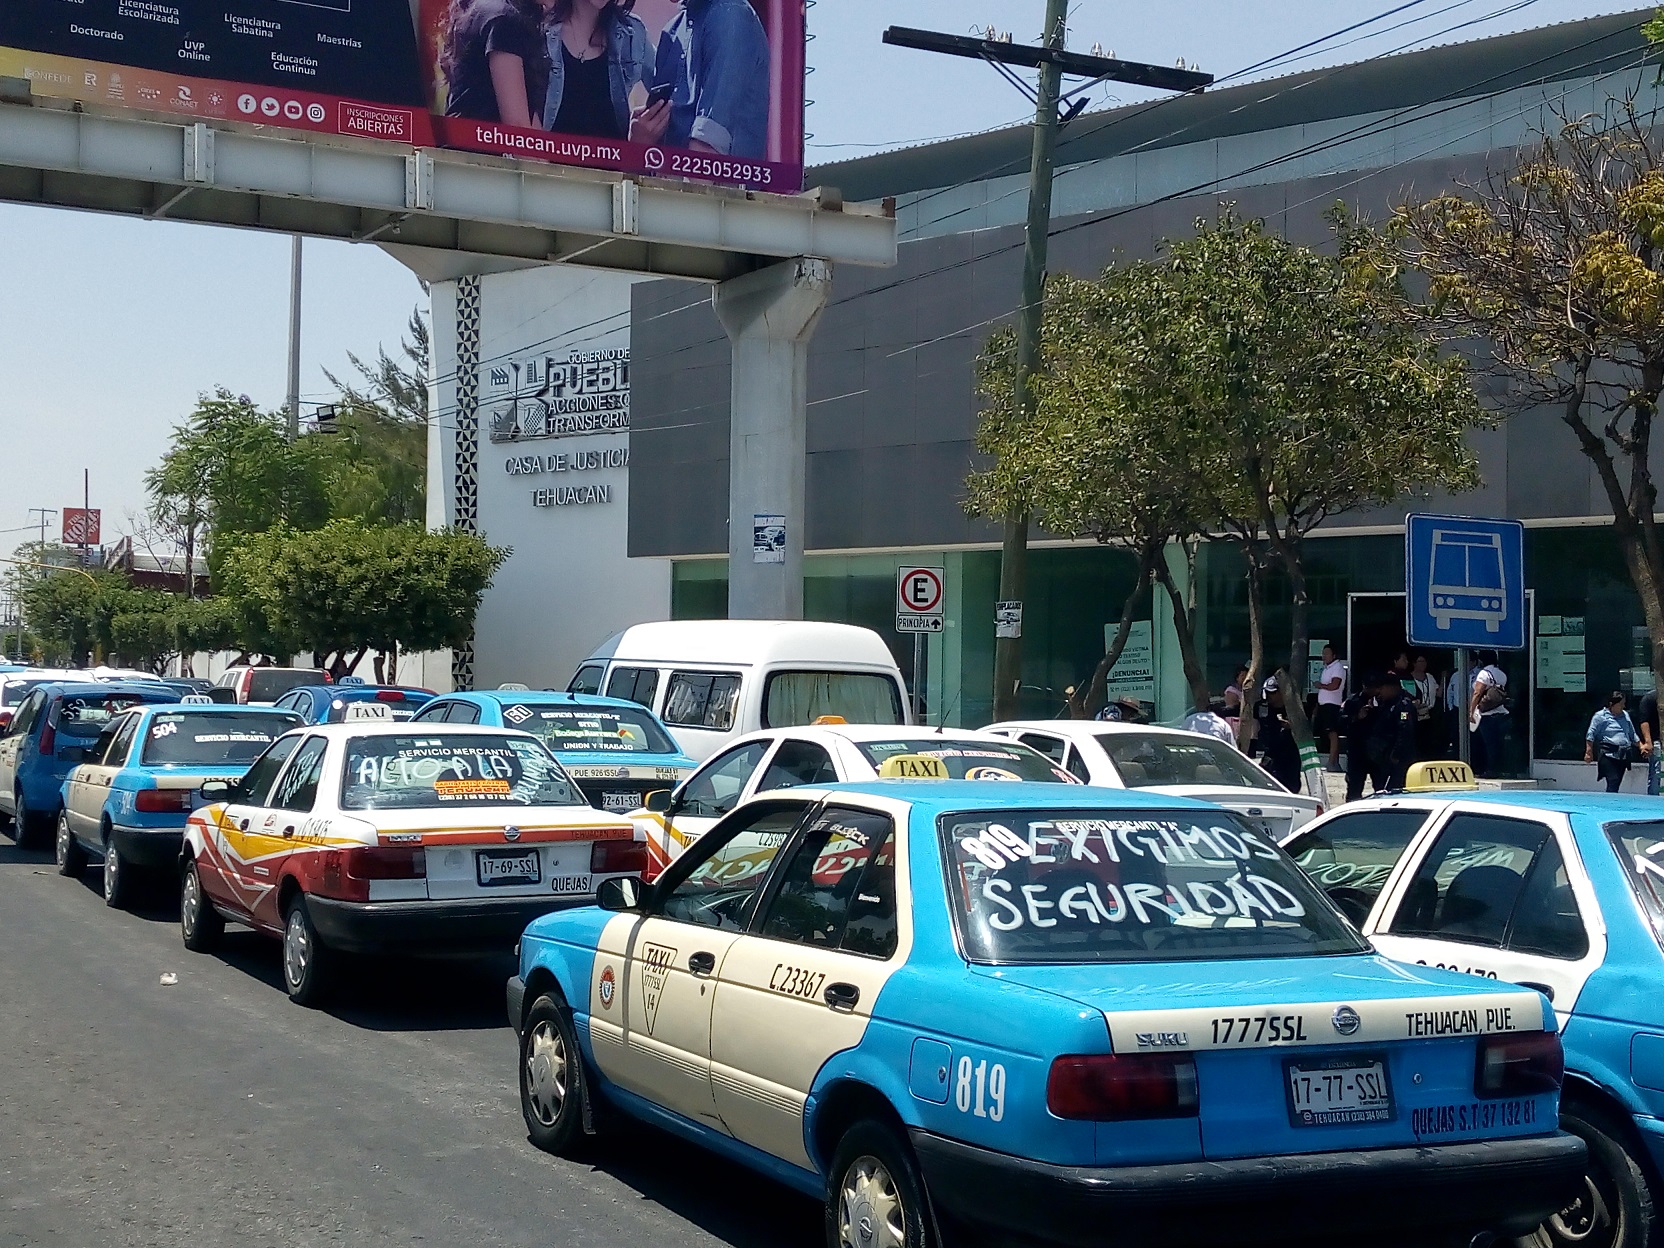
376 463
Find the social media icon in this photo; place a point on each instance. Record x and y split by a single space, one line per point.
270 107
247 103
654 158
292 109
315 113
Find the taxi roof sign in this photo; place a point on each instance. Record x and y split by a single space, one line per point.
1431 777
822 720
914 767
367 710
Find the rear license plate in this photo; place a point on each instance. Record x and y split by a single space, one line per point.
620 803
1327 1094
496 868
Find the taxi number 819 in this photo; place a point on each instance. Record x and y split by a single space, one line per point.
979 1089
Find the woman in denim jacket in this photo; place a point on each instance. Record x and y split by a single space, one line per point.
598 52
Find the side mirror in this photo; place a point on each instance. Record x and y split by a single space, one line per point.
659 801
5 722
620 895
216 791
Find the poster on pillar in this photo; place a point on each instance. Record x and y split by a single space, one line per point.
710 90
768 539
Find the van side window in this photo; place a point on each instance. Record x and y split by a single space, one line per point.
634 684
588 679
701 700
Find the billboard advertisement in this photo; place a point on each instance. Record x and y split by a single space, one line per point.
83 526
705 89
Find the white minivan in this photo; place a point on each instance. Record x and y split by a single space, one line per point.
713 680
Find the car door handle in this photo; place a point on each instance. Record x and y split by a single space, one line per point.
1545 989
242 825
702 963
289 831
842 996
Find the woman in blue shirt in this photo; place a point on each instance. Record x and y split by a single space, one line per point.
1611 742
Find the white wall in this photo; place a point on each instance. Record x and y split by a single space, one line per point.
569 583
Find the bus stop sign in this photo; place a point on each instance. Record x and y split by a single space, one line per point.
1465 583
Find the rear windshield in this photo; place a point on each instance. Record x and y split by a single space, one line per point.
610 730
397 706
85 715
1086 886
1640 848
1145 759
794 698
971 760
440 771
14 691
221 739
268 684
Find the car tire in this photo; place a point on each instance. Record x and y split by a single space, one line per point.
67 851
308 964
200 925
118 876
1616 1207
26 827
553 1082
876 1196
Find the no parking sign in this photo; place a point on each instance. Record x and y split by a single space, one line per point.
919 597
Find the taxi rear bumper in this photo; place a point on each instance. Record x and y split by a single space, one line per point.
1435 1194
469 926
149 847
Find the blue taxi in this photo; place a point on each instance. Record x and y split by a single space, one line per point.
332 704
617 751
1562 892
1048 1013
126 805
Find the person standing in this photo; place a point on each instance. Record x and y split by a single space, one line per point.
1357 719
1331 694
1488 715
1651 746
1390 744
1611 742
1429 698
1278 750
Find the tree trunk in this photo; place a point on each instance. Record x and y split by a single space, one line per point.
1183 625
1291 554
393 665
1256 644
381 667
1086 700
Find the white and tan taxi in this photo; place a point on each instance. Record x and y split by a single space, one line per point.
371 836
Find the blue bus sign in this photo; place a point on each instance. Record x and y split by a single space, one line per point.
1465 582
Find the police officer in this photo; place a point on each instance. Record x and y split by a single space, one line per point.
1390 740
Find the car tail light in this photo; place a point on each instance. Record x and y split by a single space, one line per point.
346 873
48 739
1525 1063
164 801
5 720
613 857
1118 1087
244 683
389 695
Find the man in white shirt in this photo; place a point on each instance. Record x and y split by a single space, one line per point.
1205 721
1331 693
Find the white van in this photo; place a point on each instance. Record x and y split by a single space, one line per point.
713 680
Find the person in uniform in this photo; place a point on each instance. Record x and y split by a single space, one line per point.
1278 751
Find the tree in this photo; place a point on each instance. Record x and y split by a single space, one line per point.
376 462
1558 267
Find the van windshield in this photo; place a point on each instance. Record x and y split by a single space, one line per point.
793 698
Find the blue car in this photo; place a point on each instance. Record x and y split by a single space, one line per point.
1563 892
48 735
126 805
1048 1013
331 704
617 751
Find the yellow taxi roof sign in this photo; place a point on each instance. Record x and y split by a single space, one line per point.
830 719
1431 777
913 767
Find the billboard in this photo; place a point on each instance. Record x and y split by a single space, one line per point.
83 526
704 89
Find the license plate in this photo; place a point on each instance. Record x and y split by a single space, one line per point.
620 803
495 868
1326 1094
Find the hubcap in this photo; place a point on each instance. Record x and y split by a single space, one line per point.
112 871
869 1208
297 950
190 903
546 1072
1587 1220
61 849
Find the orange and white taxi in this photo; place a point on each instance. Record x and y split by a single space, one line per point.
377 837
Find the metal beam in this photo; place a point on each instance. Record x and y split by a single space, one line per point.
1075 64
492 207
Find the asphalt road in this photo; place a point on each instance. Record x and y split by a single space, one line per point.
215 1112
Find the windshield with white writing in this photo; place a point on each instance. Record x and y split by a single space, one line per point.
1086 886
440 771
1640 848
608 730
227 738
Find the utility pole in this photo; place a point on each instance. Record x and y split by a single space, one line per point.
43 512
294 337
1053 60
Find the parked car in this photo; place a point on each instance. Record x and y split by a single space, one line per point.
828 754
328 704
710 681
1166 760
617 751
47 737
261 686
1560 891
393 838
1055 1014
126 805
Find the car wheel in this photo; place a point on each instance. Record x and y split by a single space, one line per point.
118 882
308 963
1615 1207
200 924
552 1089
67 851
876 1198
26 826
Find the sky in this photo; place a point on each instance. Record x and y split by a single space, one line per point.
110 327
